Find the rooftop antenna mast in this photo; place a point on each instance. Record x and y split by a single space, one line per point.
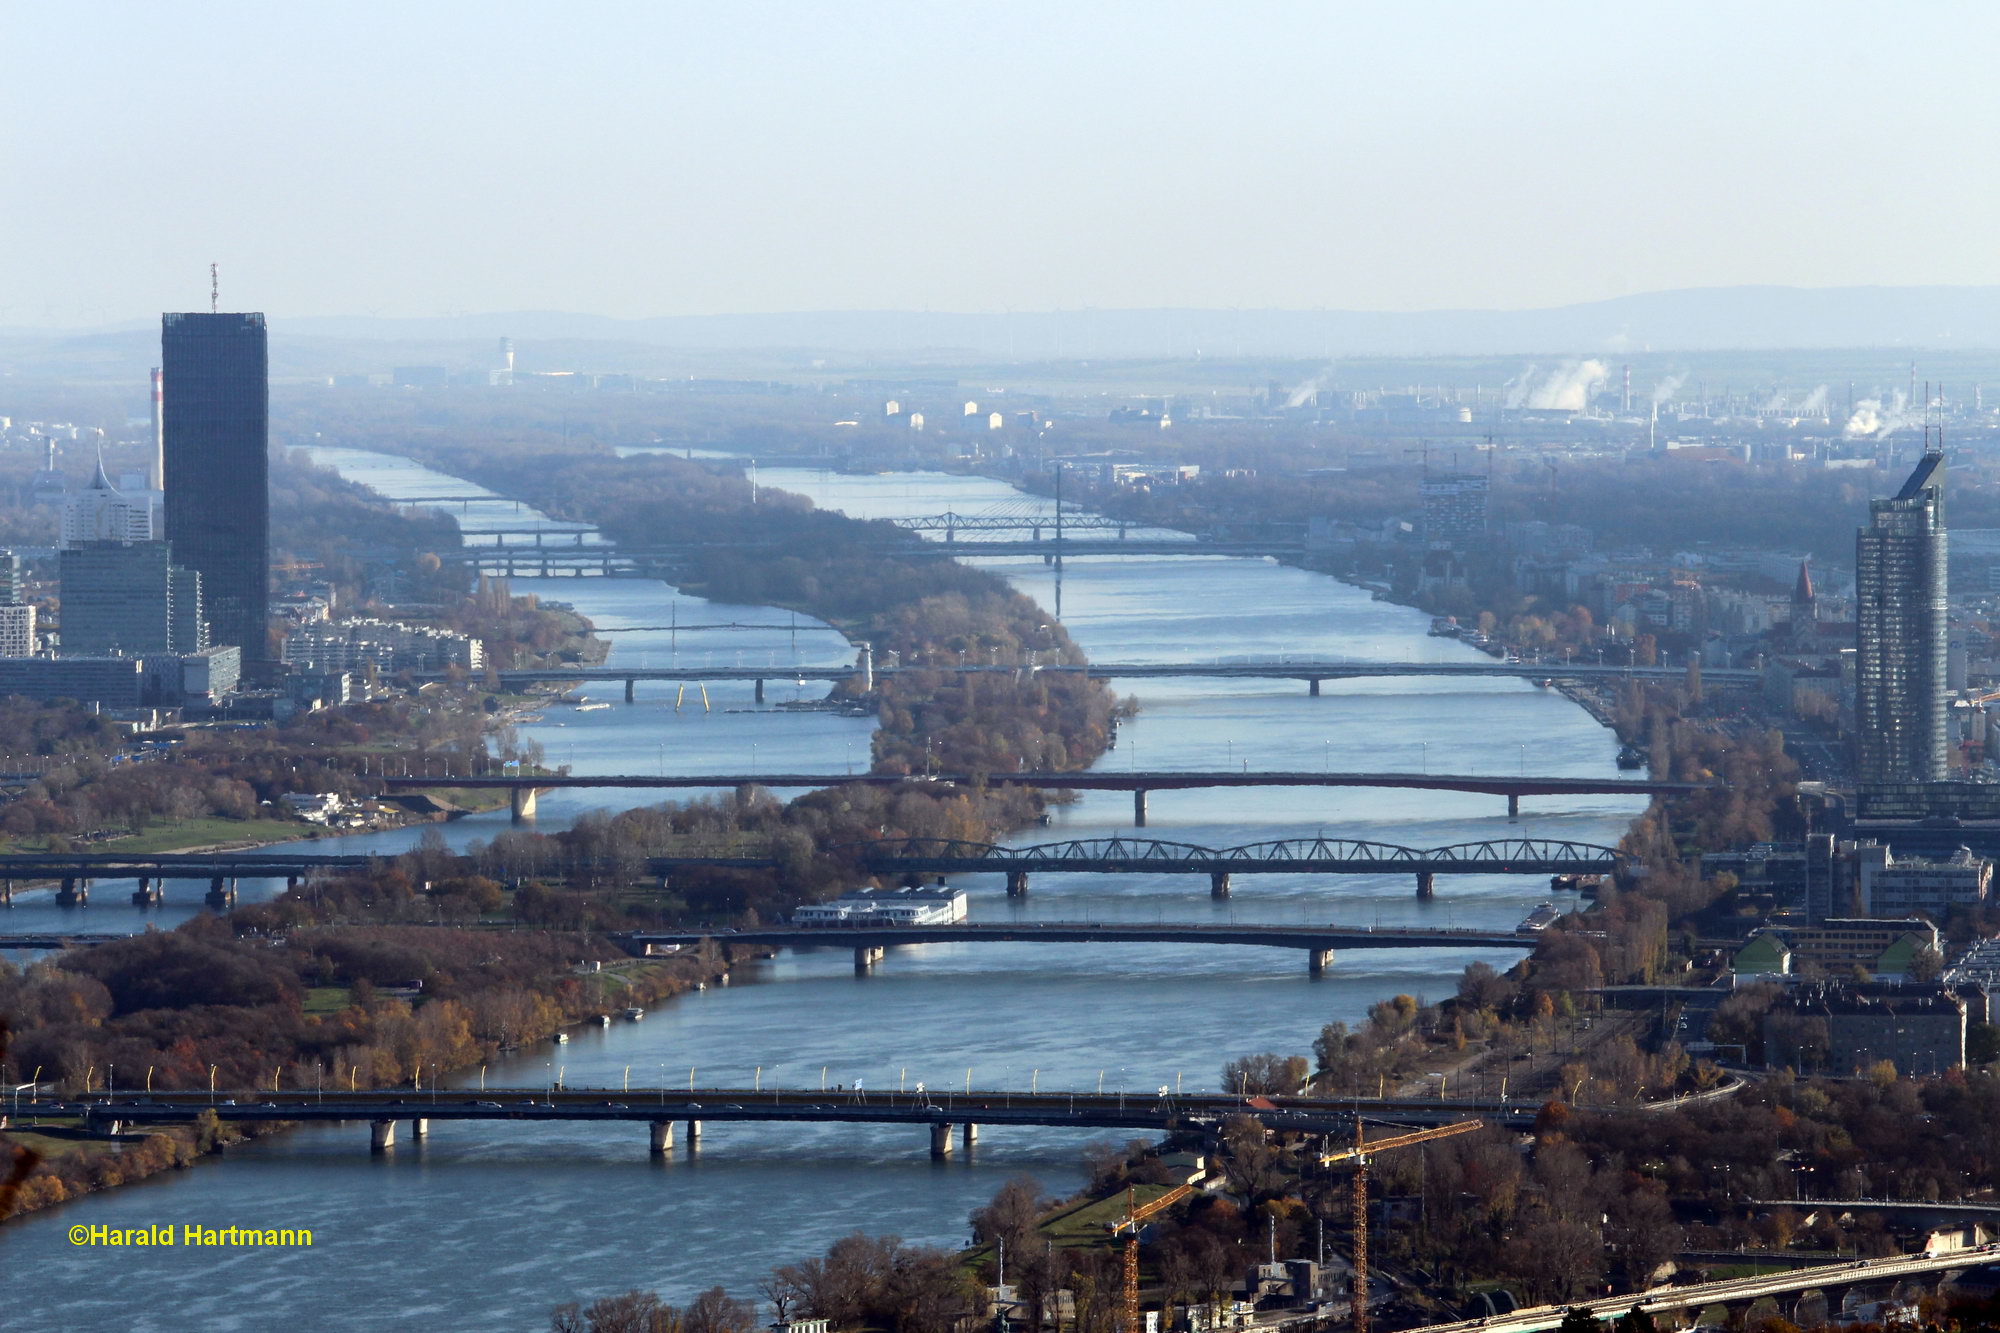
214 289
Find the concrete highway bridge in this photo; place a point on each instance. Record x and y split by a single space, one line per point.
1311 670
1791 1291
870 941
935 1111
1317 855
1138 782
56 940
606 558
74 871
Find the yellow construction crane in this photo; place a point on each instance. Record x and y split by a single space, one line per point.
1359 1154
1128 1227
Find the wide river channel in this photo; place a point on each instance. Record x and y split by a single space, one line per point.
486 1226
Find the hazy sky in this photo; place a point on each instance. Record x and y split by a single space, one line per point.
423 157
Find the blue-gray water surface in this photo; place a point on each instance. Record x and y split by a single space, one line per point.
487 1226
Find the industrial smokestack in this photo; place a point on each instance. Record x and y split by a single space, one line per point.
156 472
1625 398
507 352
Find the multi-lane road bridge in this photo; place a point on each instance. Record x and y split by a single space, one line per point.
1140 783
870 941
74 871
937 1111
1313 671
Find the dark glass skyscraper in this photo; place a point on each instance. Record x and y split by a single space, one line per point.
1903 656
217 427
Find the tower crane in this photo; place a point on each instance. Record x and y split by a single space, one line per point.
1359 1155
1135 1214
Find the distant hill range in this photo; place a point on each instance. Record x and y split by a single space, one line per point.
1689 320
1701 319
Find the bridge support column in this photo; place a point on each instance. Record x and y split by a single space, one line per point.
1513 805
631 690
1319 961
1218 884
147 894
221 894
291 884
1017 884
694 1135
1426 885
1139 808
420 1128
760 689
1312 687
940 1140
6 893
662 1138
866 957
521 800
73 893
381 1135
968 1135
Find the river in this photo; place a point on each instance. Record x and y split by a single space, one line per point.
487 1226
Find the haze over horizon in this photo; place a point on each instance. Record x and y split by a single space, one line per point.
664 161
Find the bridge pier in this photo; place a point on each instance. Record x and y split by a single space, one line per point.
1218 884
631 690
760 689
221 894
694 1135
941 1140
381 1135
420 1128
662 1138
866 957
6 893
1513 805
1139 808
1319 961
968 1135
148 894
1426 885
73 893
1312 688
521 800
1017 884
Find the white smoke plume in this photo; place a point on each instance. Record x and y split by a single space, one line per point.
1308 391
1667 388
1517 389
1874 419
1569 386
1775 403
1815 403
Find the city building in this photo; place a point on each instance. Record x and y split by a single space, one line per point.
1841 1029
349 645
1900 579
1455 509
119 598
17 631
114 682
100 512
1888 885
1834 948
216 428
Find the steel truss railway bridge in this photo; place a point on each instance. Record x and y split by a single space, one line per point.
1316 855
937 1111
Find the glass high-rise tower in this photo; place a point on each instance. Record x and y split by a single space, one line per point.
1904 650
217 429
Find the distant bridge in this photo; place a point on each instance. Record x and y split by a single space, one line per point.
937 1110
1319 855
1138 782
609 558
75 870
869 941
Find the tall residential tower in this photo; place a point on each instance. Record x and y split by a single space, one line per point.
216 427
1904 651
